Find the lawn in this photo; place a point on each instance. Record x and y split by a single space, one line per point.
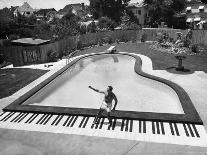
160 60
13 79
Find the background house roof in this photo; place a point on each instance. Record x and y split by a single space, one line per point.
25 8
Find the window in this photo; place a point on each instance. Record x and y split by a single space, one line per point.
201 8
188 9
139 12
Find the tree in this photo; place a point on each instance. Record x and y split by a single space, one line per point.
163 10
109 8
67 25
106 23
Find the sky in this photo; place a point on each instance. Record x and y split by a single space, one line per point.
38 4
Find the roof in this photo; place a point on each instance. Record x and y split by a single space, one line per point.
136 5
71 6
45 11
25 8
30 41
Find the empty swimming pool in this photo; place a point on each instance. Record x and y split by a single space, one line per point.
134 92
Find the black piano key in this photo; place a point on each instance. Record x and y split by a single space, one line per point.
29 118
23 117
114 124
171 129
195 130
43 116
122 124
74 120
191 131
176 129
18 118
158 127
102 122
140 126
84 125
186 131
66 121
7 116
55 120
162 128
47 119
81 123
2 114
127 123
153 127
144 127
58 121
97 123
70 121
15 117
131 126
33 118
43 120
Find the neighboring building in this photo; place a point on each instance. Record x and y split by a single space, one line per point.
78 9
46 14
139 10
196 14
25 10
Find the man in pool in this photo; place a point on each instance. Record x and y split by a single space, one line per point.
107 102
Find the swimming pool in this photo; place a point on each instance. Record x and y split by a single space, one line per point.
140 95
134 92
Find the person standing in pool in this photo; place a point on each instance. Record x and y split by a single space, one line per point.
107 102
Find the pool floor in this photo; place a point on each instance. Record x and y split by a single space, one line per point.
134 92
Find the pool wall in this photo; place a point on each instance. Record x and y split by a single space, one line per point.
190 114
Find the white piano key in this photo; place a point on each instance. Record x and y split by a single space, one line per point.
8 123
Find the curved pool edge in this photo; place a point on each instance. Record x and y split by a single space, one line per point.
190 116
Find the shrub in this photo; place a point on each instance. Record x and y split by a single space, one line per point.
143 37
194 48
52 55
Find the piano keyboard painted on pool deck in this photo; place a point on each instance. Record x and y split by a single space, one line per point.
149 131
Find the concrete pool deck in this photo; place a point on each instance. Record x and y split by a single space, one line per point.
26 142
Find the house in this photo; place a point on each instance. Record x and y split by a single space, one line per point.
78 9
139 10
25 10
196 14
46 14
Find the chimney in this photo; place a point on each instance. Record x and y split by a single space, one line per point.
83 6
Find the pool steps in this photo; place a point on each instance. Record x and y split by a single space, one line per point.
139 130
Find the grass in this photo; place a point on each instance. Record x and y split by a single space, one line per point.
160 60
12 80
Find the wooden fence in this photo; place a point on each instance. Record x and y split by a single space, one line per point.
39 54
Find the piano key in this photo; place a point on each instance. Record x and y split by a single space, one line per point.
33 118
140 126
191 131
176 129
23 117
153 127
122 124
101 123
162 128
7 116
54 121
97 124
82 122
172 129
85 122
59 119
186 131
195 130
69 122
18 118
2 114
46 120
144 127
74 120
66 121
158 127
114 124
127 123
131 126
